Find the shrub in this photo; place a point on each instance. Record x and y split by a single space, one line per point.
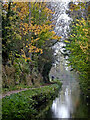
27 103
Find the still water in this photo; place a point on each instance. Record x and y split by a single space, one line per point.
68 103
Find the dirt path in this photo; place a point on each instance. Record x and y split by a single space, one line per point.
17 91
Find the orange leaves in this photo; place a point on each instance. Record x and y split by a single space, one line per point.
23 53
31 46
21 8
53 32
24 27
54 37
24 56
5 6
47 10
34 34
34 49
32 41
83 46
33 28
46 28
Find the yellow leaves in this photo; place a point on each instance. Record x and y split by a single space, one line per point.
35 33
60 37
80 35
55 37
31 48
66 41
23 9
53 32
36 39
77 20
46 28
46 9
77 24
41 32
34 49
25 33
32 21
41 51
11 18
14 8
86 30
5 5
83 21
24 28
32 27
49 11
25 25
27 59
23 56
83 46
26 46
74 35
23 53
31 44
38 50
22 50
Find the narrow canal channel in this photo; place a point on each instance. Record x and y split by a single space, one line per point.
68 104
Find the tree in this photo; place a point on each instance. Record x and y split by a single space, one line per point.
29 37
78 45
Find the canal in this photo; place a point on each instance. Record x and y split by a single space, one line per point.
69 103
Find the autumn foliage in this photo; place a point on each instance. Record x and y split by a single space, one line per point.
27 34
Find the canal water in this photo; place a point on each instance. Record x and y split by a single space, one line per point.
68 104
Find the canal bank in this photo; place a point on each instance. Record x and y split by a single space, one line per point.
29 104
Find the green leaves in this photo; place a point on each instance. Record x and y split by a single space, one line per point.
79 51
25 103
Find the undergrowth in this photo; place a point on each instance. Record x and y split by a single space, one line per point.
26 104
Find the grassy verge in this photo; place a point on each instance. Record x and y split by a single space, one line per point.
26 104
16 87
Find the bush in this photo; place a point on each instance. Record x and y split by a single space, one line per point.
27 103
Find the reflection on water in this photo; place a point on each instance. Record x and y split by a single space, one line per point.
68 104
62 106
65 104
